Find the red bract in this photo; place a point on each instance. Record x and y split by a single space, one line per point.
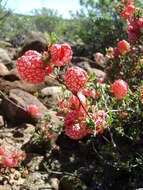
124 114
8 162
99 58
74 103
76 131
128 12
48 70
123 47
15 157
23 155
89 93
100 120
71 117
116 53
98 94
75 79
31 67
119 89
33 110
60 54
2 151
134 30
63 107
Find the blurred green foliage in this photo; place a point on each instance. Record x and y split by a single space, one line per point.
97 24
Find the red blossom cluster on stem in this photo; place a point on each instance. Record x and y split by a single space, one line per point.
8 160
90 106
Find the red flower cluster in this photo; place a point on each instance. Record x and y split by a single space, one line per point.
73 103
135 25
89 93
99 58
76 131
128 11
74 128
100 120
33 110
123 47
32 66
75 115
119 89
60 54
8 160
75 79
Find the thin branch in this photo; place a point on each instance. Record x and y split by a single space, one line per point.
93 146
10 101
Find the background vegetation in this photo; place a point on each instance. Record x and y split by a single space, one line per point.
100 17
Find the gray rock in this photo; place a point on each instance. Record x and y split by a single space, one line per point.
4 57
16 111
91 63
1 121
34 161
12 81
50 96
12 75
3 70
4 44
34 41
38 180
24 99
5 187
51 82
15 138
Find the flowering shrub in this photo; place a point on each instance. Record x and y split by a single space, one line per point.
88 107
119 88
110 110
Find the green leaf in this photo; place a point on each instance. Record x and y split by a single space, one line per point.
36 94
92 76
52 38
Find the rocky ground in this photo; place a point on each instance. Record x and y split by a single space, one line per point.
47 166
